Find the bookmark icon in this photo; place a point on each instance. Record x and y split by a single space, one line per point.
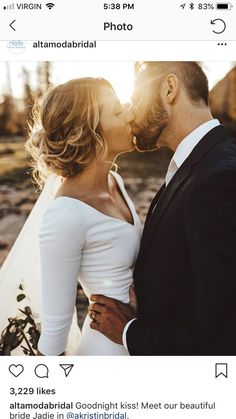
221 369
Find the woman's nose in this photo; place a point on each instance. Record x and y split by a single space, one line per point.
130 116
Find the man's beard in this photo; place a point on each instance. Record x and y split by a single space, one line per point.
154 122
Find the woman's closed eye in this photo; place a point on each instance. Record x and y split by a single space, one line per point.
119 112
118 109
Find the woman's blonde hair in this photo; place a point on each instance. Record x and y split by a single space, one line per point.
65 136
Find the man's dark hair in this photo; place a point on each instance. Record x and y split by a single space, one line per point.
189 73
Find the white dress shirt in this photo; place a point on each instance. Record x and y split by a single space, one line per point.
187 145
182 152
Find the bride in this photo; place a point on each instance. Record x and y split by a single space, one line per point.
90 231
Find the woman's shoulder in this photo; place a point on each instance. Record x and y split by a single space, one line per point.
64 204
62 230
64 213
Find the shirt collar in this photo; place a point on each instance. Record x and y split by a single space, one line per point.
188 143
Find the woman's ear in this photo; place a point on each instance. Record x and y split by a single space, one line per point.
171 88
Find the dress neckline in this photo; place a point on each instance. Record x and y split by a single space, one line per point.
125 196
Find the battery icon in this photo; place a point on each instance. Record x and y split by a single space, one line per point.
224 6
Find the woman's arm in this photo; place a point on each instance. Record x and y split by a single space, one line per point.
61 243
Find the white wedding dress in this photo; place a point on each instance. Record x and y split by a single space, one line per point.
79 243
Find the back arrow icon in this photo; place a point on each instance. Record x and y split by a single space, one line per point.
213 22
12 24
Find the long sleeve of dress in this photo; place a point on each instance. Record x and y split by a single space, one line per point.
61 243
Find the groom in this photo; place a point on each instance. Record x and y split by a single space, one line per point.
185 275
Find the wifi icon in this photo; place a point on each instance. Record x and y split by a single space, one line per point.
50 5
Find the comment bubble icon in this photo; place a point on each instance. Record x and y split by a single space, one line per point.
41 371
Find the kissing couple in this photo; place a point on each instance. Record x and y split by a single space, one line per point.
171 289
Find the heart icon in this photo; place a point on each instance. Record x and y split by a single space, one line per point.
16 370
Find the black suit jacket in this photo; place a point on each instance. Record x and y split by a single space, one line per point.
185 275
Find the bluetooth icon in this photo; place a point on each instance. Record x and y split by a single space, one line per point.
191 6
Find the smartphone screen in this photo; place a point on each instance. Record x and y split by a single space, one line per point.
117 209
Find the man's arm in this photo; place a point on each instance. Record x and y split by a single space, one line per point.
211 233
111 317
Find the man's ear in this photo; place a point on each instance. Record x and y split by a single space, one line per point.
171 88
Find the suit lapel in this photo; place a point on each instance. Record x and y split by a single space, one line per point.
153 203
215 136
162 204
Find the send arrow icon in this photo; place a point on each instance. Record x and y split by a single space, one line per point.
67 368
